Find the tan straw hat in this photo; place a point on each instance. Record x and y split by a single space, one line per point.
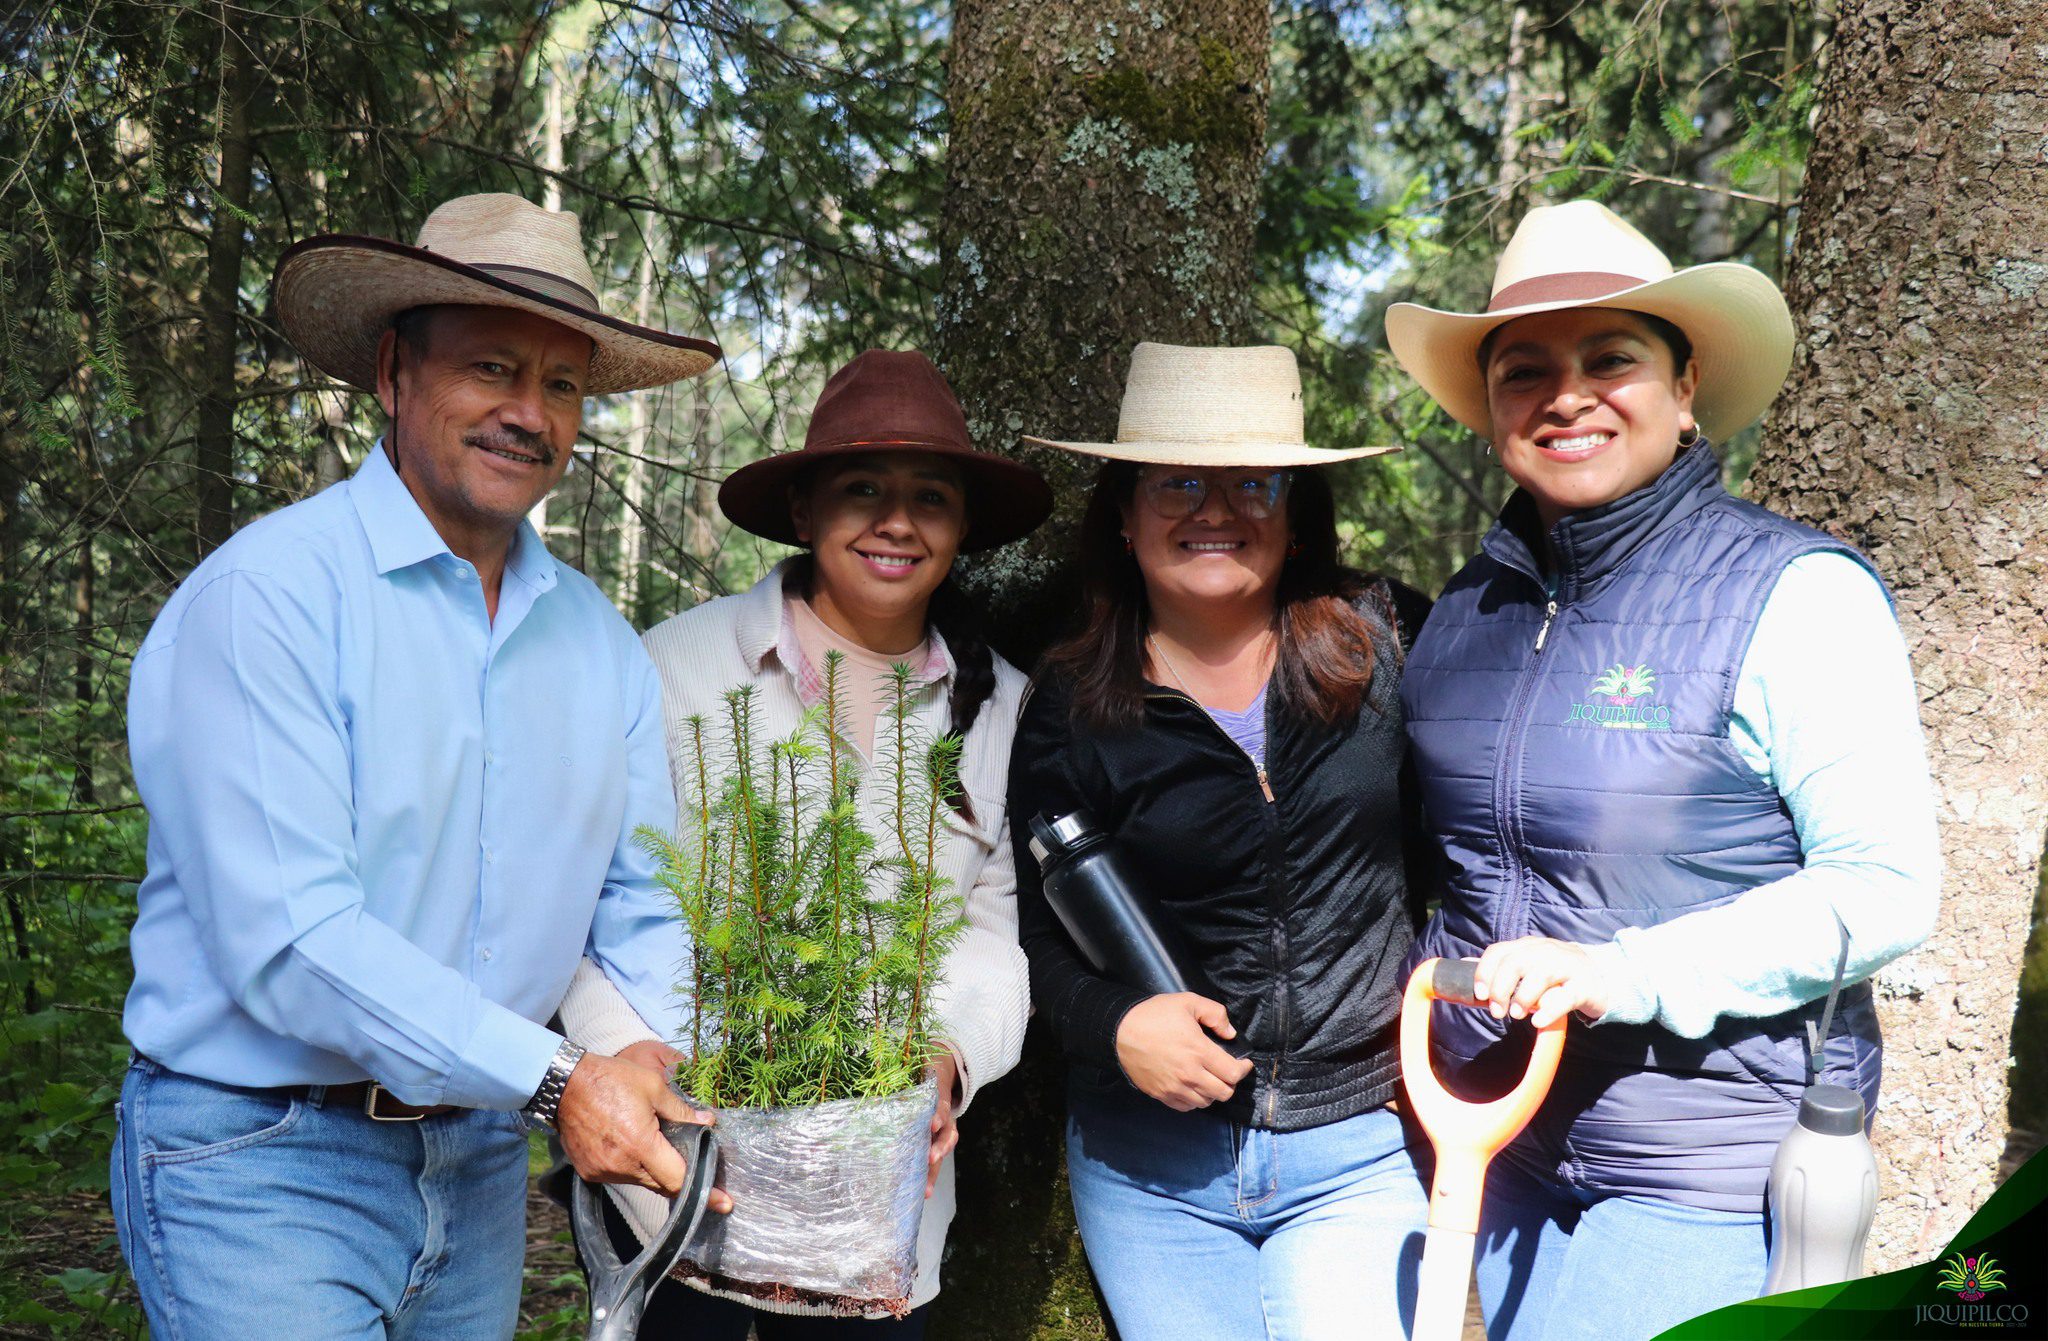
1226 406
337 293
1584 255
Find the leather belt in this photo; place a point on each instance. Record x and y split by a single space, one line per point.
379 1104
363 1096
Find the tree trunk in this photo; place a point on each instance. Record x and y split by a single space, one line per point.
639 440
1102 188
1514 111
220 301
1912 428
550 198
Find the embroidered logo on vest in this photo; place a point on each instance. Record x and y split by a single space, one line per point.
1622 686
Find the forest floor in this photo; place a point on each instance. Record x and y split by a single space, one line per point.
61 1276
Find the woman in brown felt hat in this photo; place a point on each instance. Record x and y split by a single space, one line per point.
884 494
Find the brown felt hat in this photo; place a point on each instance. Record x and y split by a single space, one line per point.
338 293
886 401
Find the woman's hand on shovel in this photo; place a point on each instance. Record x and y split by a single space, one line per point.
1163 1045
610 1125
1540 979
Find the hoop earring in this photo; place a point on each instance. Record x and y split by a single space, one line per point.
1293 548
1689 435
1129 548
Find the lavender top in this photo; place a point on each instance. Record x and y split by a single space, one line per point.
1247 728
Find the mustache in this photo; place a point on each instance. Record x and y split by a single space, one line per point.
514 440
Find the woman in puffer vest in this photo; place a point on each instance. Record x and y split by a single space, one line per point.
1669 751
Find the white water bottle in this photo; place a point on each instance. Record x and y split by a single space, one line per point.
1822 1193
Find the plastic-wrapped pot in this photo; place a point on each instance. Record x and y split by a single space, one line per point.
826 1202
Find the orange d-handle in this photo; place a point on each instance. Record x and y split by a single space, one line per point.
1466 1135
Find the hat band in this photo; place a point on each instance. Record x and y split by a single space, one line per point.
540 281
1570 286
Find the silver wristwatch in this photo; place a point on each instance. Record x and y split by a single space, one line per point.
545 1107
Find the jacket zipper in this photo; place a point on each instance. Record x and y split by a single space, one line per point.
1507 787
1278 939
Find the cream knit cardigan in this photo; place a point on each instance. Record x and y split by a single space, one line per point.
984 994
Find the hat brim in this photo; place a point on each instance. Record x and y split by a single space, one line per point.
337 293
1006 500
1735 317
1215 455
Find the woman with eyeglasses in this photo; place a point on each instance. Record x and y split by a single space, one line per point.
1228 711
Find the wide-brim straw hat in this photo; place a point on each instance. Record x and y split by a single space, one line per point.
1212 406
1584 255
337 293
890 401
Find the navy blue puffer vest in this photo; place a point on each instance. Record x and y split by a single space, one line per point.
1575 764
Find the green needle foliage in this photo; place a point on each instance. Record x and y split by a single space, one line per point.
815 943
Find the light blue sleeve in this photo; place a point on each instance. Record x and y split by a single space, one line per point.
1826 709
636 935
250 789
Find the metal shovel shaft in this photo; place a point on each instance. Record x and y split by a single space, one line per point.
1443 1284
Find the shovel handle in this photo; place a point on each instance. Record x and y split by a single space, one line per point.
1466 1135
618 1289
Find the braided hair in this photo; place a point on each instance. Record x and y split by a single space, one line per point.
951 615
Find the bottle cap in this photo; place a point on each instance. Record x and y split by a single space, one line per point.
1831 1110
1056 837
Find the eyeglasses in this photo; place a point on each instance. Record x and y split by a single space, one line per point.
1251 495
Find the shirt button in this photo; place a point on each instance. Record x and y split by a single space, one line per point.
487 952
490 757
490 855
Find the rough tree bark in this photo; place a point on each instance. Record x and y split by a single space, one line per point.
1913 427
1102 188
220 302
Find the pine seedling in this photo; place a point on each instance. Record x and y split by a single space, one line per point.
814 948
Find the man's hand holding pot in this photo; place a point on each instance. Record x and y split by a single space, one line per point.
610 1126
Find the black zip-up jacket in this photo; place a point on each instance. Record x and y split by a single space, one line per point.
1297 906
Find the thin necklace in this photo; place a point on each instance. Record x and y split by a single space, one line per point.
1152 640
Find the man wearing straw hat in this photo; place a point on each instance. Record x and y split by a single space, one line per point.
394 757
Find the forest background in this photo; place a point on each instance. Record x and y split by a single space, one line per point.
1023 190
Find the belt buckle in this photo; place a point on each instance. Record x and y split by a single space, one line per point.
370 1106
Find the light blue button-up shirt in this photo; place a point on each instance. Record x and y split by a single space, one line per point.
384 826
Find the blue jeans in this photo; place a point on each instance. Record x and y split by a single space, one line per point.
251 1213
1557 1263
1197 1226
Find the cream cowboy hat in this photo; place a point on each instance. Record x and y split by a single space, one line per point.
1212 407
1584 255
337 293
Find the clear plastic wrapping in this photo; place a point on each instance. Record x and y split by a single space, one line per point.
826 1202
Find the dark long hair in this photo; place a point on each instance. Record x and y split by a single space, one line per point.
1323 665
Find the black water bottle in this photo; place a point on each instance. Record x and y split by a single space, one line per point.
1118 927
